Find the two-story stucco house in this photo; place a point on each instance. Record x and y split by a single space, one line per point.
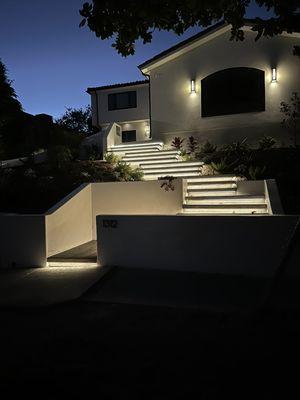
206 86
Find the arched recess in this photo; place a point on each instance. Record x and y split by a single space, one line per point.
233 91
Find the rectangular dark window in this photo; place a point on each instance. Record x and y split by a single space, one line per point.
119 101
129 136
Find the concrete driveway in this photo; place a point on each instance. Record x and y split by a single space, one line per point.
46 286
177 289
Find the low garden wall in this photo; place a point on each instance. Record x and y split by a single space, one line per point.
72 221
22 241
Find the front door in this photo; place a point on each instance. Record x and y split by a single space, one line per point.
129 136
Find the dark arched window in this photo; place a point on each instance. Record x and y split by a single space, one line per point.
233 91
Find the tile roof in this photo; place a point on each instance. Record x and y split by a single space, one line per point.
117 85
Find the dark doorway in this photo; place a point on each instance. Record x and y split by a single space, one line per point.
129 136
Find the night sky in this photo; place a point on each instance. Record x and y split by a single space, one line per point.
52 61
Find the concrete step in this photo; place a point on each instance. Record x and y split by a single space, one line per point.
149 153
226 200
225 209
138 160
215 178
178 164
160 161
184 175
137 151
211 192
211 186
72 262
172 170
137 144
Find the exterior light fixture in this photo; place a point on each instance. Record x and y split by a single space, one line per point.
147 131
193 86
274 75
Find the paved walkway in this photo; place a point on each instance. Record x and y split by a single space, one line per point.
46 286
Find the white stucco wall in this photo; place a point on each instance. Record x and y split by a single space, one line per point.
22 241
129 118
240 245
69 222
175 111
72 221
133 198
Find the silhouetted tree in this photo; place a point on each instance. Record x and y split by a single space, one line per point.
77 119
9 104
134 19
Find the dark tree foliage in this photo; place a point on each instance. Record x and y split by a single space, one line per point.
296 51
129 21
9 104
77 120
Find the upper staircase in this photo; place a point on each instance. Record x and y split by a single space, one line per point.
205 194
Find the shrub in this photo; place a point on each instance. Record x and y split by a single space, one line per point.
222 167
59 156
177 143
167 183
256 172
207 148
192 145
111 158
236 149
125 172
266 142
92 152
291 112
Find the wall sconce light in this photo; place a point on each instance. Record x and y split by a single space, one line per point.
274 75
193 86
147 131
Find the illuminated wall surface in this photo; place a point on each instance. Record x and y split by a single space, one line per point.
229 102
206 244
135 118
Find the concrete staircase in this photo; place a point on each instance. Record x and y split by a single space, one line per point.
210 194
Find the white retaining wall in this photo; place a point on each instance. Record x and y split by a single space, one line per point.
72 221
22 241
252 245
69 223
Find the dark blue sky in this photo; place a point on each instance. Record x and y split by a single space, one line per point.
52 61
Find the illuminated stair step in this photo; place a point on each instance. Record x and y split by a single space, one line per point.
227 211
72 262
211 192
178 164
212 178
171 170
150 153
174 175
223 206
162 162
228 200
137 144
138 161
151 157
135 150
212 186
